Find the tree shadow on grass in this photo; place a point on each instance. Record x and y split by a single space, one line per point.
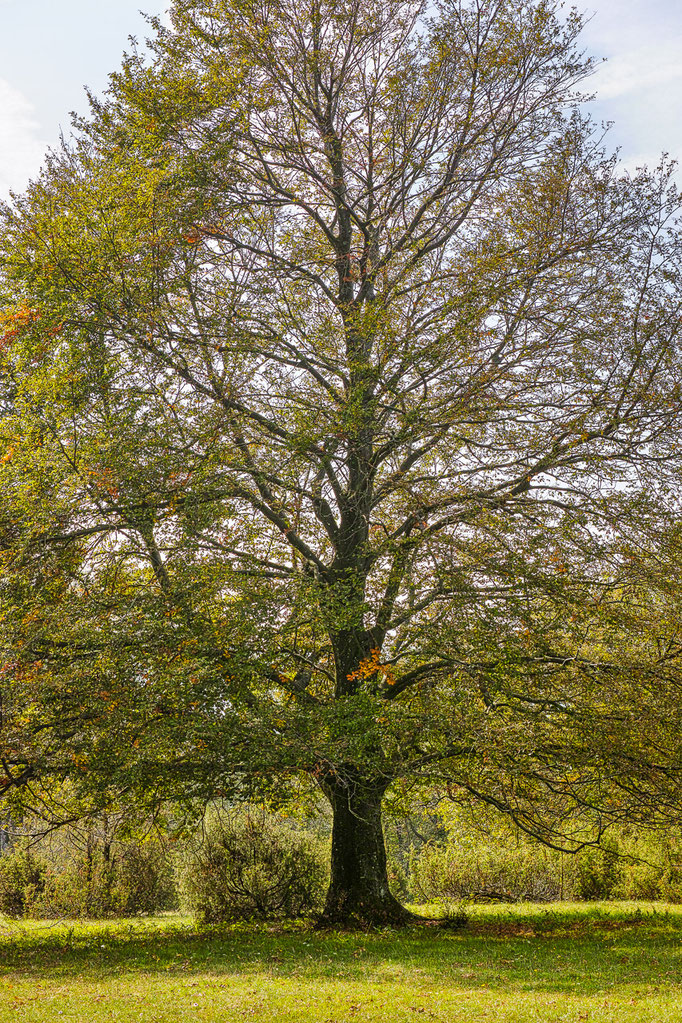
557 952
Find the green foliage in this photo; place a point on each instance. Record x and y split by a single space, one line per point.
598 872
632 864
66 877
23 878
139 879
398 878
249 865
145 874
482 859
82 888
488 872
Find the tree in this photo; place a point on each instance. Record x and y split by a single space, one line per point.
342 385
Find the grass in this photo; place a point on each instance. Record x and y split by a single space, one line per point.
523 963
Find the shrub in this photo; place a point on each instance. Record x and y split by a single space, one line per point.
87 873
22 880
145 877
649 865
252 865
632 864
76 889
455 916
398 880
137 878
629 864
598 871
487 872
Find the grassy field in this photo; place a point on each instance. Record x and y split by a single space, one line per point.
596 962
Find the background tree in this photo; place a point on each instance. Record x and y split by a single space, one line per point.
343 386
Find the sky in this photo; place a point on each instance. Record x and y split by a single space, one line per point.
51 49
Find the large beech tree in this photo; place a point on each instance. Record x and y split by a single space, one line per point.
341 397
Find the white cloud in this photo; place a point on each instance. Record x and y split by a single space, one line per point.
645 67
21 149
639 87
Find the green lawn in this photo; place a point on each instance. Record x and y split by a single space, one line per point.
603 962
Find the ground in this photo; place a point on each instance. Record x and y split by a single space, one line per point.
603 963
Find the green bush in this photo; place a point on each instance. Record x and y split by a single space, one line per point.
87 873
78 889
135 878
251 865
649 865
630 863
649 881
488 872
145 877
22 880
598 871
398 879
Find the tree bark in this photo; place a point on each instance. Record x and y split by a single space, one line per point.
358 892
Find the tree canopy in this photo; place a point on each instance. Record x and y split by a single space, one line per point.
340 429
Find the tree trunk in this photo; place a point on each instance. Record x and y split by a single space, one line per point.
358 892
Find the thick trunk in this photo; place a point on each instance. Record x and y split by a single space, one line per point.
358 889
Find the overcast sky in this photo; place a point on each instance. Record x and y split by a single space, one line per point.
50 49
